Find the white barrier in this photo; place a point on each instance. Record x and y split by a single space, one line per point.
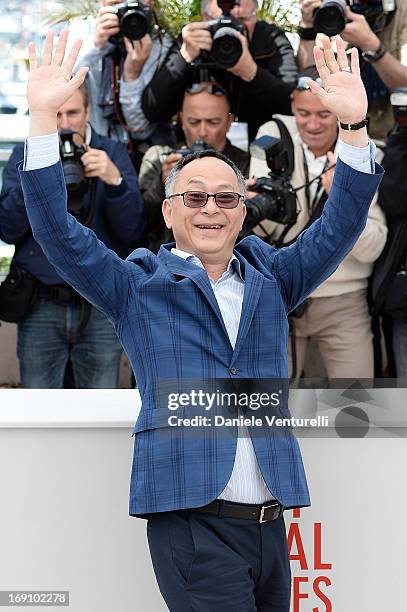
65 459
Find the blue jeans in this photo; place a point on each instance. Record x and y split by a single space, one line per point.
46 340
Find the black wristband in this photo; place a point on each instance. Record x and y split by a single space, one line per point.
306 33
354 126
373 56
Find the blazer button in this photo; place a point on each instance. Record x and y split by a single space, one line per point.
233 370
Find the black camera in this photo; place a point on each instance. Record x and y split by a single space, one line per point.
198 145
135 20
226 46
329 18
72 166
276 199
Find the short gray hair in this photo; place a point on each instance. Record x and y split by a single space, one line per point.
184 161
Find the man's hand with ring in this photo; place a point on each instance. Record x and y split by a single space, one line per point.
343 93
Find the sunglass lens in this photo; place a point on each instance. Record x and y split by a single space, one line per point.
195 199
227 200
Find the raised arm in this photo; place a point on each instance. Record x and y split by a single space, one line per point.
318 251
75 251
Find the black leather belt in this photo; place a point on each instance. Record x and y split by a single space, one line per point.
264 513
61 294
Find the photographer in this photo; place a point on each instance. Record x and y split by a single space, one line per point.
54 322
259 81
381 36
389 286
205 120
337 314
120 69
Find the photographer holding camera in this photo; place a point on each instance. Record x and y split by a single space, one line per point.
205 120
337 315
128 48
252 59
389 283
54 322
379 29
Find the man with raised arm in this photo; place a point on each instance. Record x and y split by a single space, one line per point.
205 309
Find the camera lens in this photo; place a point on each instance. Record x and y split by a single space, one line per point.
73 173
330 17
226 47
135 23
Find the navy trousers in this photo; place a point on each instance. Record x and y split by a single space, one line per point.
204 563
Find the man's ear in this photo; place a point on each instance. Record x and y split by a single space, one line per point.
244 214
87 113
231 118
292 104
167 212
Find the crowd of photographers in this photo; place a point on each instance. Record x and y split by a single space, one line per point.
150 99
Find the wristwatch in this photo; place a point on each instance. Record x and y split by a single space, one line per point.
372 56
306 33
350 127
118 181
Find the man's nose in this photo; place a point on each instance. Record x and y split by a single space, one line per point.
203 131
210 207
63 122
313 123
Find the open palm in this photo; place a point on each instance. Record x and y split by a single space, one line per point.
51 84
344 93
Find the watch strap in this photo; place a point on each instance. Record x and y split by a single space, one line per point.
354 126
306 33
373 56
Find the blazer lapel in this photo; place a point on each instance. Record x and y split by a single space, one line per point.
252 290
187 269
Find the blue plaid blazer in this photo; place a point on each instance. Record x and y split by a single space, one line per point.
169 323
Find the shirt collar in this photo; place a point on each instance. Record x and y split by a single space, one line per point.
233 265
88 134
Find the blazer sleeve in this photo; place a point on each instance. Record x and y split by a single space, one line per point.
14 223
77 254
318 250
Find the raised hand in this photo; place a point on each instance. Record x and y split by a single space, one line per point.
51 84
343 93
138 52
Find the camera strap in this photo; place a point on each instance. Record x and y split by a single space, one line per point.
287 142
311 203
116 76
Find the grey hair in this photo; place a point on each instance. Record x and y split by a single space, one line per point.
175 171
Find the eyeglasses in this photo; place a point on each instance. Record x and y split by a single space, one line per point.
212 88
198 199
302 83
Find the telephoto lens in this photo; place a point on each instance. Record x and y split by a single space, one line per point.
135 19
329 18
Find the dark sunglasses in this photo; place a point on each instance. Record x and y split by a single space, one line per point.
212 88
198 199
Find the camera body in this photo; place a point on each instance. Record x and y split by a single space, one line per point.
276 199
72 166
198 145
135 20
77 184
329 18
226 46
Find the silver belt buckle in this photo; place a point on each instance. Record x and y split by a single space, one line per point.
263 508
